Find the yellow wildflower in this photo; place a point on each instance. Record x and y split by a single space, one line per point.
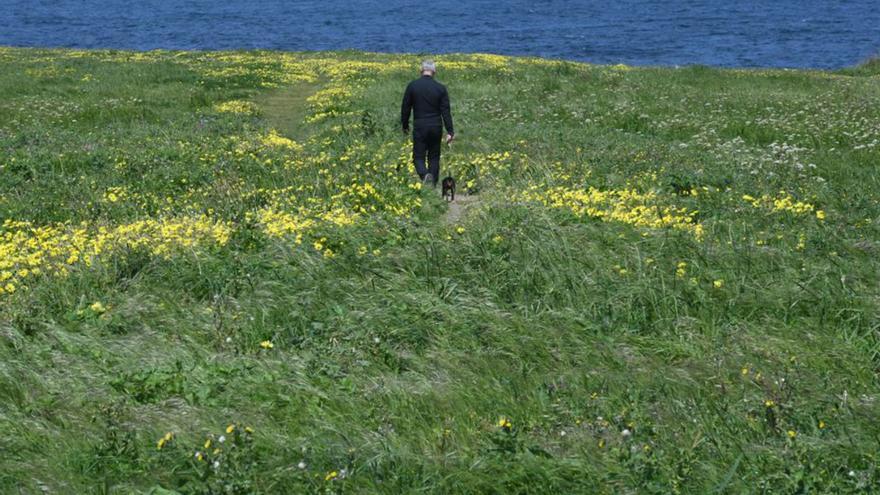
236 106
783 203
681 269
164 440
627 206
273 139
266 344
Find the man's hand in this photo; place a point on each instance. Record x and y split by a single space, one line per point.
449 139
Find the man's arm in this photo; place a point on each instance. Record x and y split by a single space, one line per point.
446 112
406 108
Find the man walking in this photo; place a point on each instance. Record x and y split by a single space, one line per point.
428 101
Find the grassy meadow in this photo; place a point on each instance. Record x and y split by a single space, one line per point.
219 274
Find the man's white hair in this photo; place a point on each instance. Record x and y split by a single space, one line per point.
429 65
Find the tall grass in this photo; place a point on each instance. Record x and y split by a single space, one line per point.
533 347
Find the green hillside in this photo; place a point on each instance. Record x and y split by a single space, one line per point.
219 274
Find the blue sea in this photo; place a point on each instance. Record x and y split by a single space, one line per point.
741 33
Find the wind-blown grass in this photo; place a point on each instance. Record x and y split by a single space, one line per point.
219 275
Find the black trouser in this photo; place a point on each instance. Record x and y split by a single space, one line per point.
426 140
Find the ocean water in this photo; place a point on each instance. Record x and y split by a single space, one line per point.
742 33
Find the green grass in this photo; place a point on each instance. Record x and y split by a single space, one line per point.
285 108
750 368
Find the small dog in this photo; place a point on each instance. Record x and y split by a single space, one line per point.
449 189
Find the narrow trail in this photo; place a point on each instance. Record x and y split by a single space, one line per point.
459 207
284 109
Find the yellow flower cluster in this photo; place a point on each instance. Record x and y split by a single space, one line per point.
165 440
273 139
342 209
278 223
782 203
115 194
49 72
359 197
681 269
236 106
470 169
626 206
28 251
271 69
329 102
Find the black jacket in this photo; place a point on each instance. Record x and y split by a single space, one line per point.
429 102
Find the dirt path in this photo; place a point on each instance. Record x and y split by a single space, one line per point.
285 108
458 208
